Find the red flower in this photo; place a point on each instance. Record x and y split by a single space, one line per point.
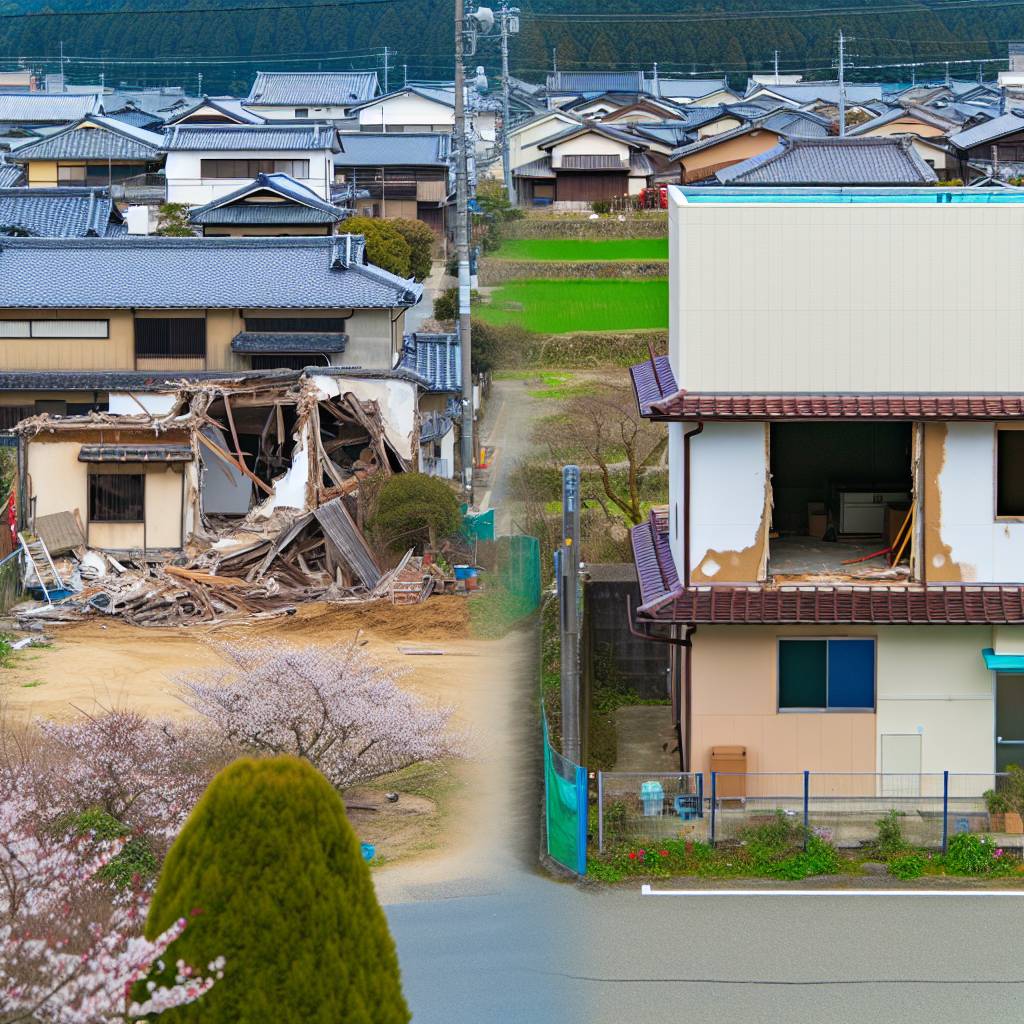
632 856
664 853
643 853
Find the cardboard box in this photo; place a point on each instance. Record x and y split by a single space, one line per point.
894 516
817 519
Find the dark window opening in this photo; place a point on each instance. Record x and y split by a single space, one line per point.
296 324
302 111
288 362
11 415
217 168
116 497
1010 473
170 338
826 675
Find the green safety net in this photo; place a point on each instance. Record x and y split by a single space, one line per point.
562 788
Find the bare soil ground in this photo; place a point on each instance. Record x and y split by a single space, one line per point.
106 664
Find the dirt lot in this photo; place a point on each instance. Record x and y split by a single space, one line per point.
104 664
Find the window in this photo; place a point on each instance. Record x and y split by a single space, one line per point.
302 111
826 675
70 175
250 168
1009 472
54 328
116 497
170 337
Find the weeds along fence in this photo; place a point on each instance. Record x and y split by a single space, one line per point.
637 808
10 580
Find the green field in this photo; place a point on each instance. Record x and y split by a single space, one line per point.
561 307
576 250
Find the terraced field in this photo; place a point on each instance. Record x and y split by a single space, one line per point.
582 250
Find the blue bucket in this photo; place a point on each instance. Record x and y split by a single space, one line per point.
463 572
369 851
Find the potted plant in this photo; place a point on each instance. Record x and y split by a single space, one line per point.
997 805
1014 790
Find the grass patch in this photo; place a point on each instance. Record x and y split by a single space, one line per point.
560 386
584 250
33 684
495 612
562 307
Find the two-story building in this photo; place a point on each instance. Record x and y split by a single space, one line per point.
841 562
320 95
209 161
82 318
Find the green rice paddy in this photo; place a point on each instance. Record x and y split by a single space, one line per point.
582 250
561 307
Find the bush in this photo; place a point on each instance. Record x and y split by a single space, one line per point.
414 510
970 854
272 871
172 221
601 206
420 240
385 246
135 861
446 304
907 865
889 842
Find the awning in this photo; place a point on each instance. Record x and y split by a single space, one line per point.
1003 662
300 343
135 453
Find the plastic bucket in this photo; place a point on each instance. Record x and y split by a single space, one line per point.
462 572
368 850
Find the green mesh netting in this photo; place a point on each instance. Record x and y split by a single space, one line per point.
562 799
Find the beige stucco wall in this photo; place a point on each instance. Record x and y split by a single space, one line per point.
834 297
523 140
586 145
931 681
730 151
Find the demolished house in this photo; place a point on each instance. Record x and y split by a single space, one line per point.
236 496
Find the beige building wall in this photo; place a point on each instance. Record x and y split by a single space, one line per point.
585 145
931 681
523 141
846 297
727 153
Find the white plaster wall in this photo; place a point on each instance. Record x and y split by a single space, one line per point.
185 183
279 112
865 297
59 481
986 550
588 145
411 109
159 404
728 475
932 681
523 141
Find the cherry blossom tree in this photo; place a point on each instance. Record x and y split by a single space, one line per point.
70 948
333 706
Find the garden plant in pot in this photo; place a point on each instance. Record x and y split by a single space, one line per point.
997 805
1006 807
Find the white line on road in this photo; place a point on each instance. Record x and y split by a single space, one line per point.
646 890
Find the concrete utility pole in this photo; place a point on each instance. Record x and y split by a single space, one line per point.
657 82
462 248
569 575
385 71
509 26
776 67
842 85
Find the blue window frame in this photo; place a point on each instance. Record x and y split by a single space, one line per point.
820 674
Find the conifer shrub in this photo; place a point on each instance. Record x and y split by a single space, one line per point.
421 245
414 509
269 872
385 246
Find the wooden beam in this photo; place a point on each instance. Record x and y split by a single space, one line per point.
234 462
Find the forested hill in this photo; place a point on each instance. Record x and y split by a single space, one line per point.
684 36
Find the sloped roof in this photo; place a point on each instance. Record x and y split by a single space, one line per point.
10 174
60 212
437 358
1006 124
685 88
42 107
225 105
95 137
137 118
833 161
294 342
714 140
591 128
394 149
922 114
808 92
579 82
300 205
252 138
313 88
194 273
797 124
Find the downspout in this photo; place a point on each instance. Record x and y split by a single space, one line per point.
686 501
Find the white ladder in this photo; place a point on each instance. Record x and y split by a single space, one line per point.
38 563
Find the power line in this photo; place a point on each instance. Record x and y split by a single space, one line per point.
203 10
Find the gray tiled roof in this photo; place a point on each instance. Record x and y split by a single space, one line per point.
866 161
314 88
540 168
616 134
809 92
685 88
109 380
60 212
279 344
110 140
1007 124
797 124
137 118
925 116
249 138
10 174
43 107
299 205
398 149
437 358
224 105
578 82
196 273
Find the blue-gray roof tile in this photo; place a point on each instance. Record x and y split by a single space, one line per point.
59 213
46 107
297 205
400 149
295 343
313 88
94 137
249 138
197 273
437 358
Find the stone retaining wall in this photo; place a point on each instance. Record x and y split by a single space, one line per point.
497 272
648 225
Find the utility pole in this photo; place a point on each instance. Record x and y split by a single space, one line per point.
405 75
569 575
657 82
776 67
385 71
509 26
947 72
63 83
200 83
842 85
462 248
